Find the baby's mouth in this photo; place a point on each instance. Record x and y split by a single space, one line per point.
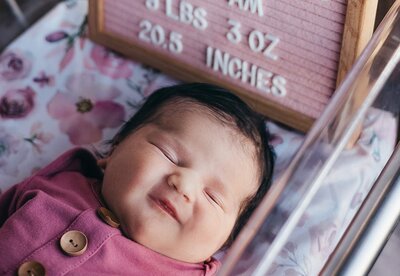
166 206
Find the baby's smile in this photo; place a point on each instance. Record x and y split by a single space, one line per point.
165 205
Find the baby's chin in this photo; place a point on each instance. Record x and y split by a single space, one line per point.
165 249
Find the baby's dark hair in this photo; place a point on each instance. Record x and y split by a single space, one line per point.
230 110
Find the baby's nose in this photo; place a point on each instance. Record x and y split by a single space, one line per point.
185 183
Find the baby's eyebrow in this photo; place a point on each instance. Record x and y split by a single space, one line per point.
222 188
159 122
220 185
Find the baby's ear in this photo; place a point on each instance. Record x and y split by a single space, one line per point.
102 163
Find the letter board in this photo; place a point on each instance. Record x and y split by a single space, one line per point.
283 56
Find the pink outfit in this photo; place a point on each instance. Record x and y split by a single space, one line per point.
64 196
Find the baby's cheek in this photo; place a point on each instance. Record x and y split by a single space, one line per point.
223 224
108 187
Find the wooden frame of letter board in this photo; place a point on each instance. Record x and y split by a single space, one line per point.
358 28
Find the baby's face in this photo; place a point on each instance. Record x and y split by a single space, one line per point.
177 184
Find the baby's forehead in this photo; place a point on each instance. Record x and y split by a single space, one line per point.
179 107
176 113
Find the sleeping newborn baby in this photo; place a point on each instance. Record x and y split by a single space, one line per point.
180 180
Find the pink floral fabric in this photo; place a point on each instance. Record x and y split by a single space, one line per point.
109 63
86 108
59 90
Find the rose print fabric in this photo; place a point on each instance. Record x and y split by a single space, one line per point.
59 90
17 103
14 65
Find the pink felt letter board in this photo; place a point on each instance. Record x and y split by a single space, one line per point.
283 56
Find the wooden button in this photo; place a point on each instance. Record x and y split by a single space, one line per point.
108 217
74 243
31 268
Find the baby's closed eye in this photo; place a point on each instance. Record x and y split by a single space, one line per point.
168 153
213 198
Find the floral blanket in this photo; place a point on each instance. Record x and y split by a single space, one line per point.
59 90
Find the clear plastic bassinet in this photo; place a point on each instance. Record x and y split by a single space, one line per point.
372 84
